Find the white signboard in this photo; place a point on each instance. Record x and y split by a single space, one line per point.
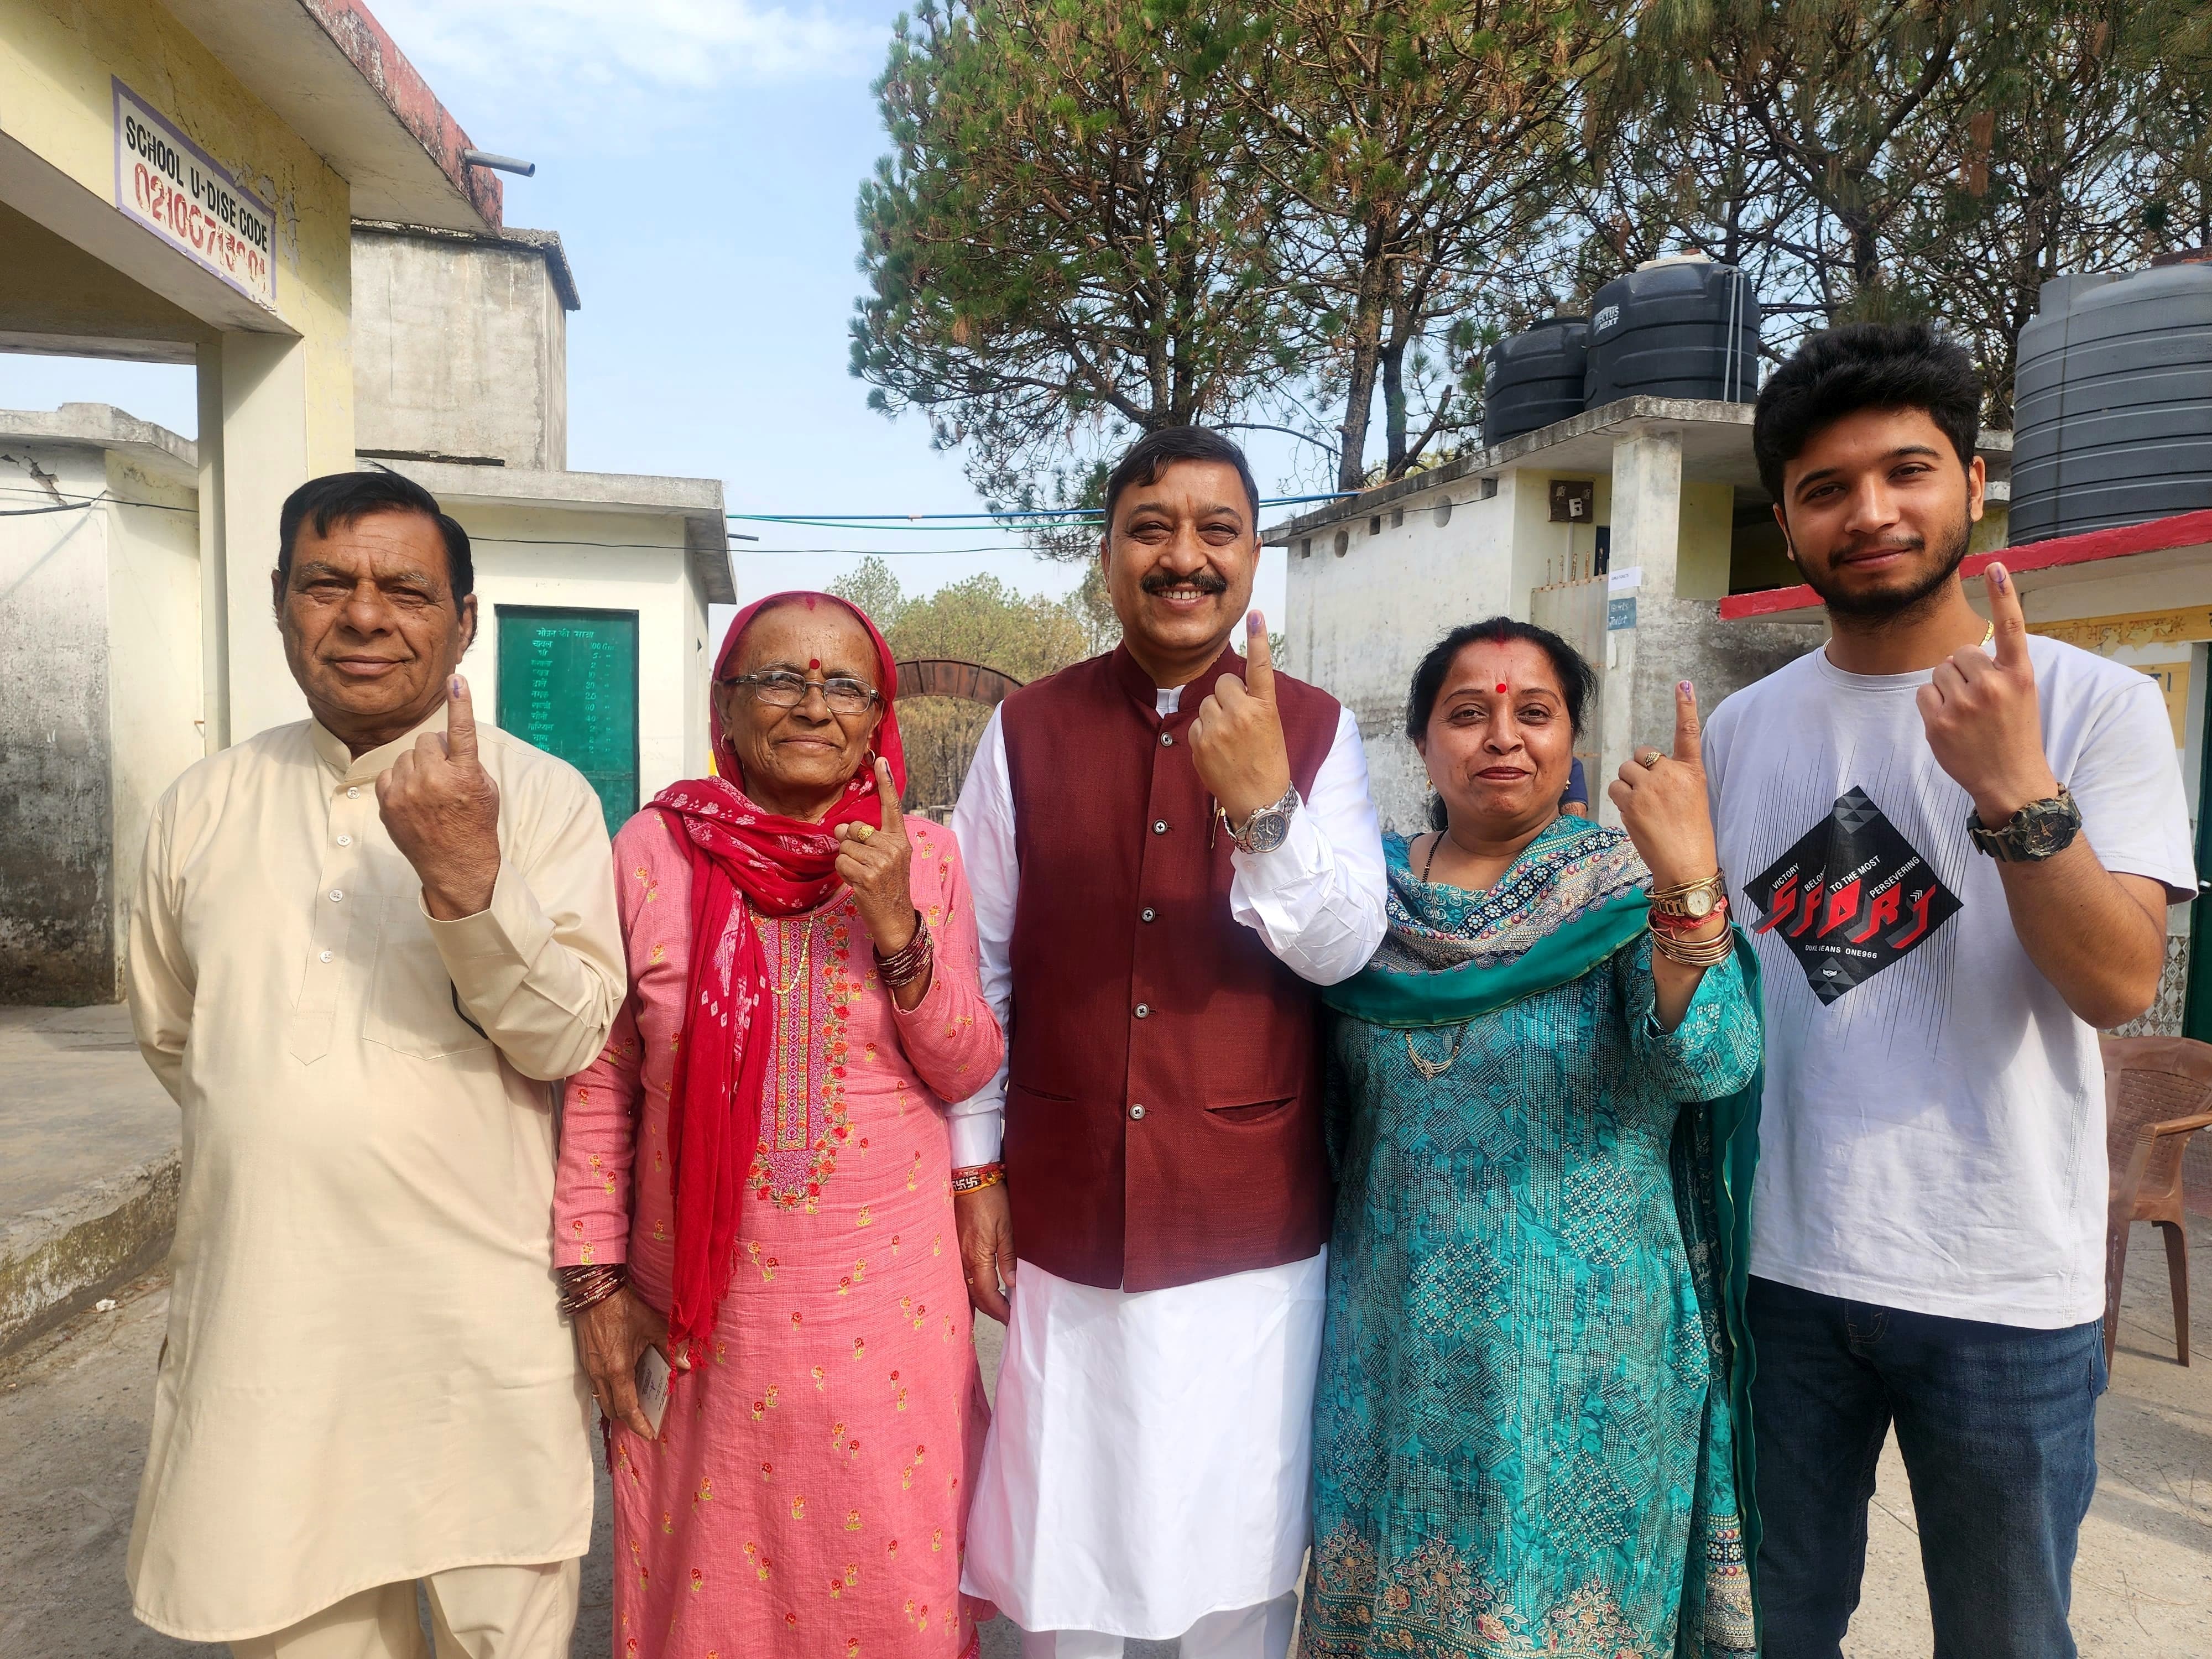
1625 581
175 188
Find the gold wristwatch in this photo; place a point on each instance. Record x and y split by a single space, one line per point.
1691 900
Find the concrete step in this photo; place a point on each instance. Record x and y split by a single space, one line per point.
58 1262
89 1189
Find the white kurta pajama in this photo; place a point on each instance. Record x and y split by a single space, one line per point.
1148 1457
366 1380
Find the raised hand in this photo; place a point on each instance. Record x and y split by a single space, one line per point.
442 809
1663 805
876 865
1983 720
1236 741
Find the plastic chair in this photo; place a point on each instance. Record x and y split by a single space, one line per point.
2158 1092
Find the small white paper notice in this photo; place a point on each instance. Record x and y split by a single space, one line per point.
1622 581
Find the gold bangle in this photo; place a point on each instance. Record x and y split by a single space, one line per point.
1695 952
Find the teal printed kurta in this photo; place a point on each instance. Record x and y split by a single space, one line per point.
1523 1437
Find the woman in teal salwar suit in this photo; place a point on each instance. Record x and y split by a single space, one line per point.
1529 1436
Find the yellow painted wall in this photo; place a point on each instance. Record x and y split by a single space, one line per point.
49 285
57 58
1708 533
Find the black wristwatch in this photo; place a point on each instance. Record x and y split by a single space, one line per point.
2039 831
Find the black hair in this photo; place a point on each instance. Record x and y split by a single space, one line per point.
1864 365
346 498
1154 452
1578 679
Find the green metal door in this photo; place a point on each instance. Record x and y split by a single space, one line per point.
2197 1006
568 685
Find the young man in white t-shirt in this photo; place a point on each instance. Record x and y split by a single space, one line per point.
1953 845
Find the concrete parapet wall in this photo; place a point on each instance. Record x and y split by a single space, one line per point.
460 348
57 1261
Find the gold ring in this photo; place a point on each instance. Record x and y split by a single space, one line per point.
1647 758
863 831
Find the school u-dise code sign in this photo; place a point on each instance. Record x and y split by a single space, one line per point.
176 190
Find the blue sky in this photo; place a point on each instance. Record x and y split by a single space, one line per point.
700 159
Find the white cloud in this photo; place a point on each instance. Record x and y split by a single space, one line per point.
548 66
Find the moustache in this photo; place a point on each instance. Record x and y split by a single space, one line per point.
1205 581
1887 544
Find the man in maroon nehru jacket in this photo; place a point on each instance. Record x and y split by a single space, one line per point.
1171 847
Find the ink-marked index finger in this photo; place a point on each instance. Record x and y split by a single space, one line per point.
2006 616
460 720
887 792
1259 658
1689 733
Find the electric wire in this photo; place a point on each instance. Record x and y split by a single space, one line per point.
80 503
956 521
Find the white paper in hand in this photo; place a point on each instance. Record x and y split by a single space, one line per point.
652 1381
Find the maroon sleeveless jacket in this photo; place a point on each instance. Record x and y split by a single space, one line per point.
1163 1119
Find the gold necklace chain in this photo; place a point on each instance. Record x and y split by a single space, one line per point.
805 957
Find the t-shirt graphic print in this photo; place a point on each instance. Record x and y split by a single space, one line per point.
1850 897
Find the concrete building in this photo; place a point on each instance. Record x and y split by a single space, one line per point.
178 180
461 344
266 190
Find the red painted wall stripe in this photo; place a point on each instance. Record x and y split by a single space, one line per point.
2183 530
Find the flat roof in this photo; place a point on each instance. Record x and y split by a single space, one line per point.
1715 448
696 501
334 76
103 426
2161 543
545 243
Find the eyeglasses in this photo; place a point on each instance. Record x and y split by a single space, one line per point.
781 689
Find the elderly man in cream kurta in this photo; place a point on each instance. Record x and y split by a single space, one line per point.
360 945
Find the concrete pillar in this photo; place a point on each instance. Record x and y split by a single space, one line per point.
256 435
215 600
1639 680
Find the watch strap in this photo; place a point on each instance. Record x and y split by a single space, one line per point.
1283 810
2040 830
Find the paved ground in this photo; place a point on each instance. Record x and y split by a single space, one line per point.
77 1103
74 1408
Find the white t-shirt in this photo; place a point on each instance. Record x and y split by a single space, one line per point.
1933 1134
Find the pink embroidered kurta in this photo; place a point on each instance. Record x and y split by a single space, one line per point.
807 1493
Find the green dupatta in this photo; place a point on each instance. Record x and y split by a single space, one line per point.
1452 996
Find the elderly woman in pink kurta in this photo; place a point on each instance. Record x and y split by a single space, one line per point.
755 1178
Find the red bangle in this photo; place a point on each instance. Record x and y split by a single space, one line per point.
1675 924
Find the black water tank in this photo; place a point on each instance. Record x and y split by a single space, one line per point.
1678 327
2113 402
1533 378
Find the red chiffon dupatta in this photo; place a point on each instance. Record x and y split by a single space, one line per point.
742 859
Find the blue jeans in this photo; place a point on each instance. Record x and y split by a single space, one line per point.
1997 1426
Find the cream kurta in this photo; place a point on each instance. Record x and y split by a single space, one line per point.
365 1379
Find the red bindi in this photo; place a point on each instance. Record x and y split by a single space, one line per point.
816 662
1501 688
